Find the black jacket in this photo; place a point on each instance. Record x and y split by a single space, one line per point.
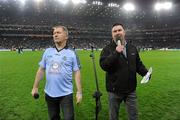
121 71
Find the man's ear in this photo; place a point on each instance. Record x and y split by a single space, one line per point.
67 37
124 33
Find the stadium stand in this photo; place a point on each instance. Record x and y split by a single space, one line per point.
88 25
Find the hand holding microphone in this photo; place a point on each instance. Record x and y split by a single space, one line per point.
119 47
35 93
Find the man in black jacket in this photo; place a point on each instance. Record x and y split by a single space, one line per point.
121 61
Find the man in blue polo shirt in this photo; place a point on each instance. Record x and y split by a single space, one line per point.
59 64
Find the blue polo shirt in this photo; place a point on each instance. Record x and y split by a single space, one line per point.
59 67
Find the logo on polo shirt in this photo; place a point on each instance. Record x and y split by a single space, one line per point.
64 58
54 67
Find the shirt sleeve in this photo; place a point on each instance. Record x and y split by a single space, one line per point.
76 62
42 63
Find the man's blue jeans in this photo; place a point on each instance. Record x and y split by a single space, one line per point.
65 103
130 102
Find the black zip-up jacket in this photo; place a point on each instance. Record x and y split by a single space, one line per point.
121 70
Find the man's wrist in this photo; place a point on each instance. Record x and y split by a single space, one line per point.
79 92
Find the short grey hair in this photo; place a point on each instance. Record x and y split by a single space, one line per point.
63 27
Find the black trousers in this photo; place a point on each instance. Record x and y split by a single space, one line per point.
55 104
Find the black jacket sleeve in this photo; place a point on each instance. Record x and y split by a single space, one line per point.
140 69
108 60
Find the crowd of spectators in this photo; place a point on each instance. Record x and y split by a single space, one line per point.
40 37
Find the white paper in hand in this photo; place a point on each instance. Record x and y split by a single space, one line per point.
147 76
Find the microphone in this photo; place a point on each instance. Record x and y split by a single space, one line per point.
36 96
118 40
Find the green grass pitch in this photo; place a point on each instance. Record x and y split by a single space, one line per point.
157 100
